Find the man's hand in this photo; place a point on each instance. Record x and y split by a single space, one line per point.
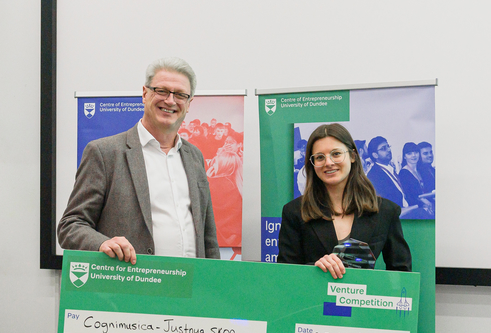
120 247
331 263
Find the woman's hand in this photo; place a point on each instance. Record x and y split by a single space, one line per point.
332 263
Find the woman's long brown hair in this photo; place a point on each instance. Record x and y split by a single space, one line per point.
359 195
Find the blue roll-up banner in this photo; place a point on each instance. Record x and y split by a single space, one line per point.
215 124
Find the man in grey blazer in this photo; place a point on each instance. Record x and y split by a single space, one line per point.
145 190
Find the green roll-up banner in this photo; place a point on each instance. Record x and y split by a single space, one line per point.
167 294
399 112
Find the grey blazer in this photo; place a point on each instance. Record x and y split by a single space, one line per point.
111 198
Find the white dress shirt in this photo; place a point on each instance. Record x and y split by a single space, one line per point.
173 227
389 170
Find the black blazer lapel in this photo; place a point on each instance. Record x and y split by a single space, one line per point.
325 233
363 228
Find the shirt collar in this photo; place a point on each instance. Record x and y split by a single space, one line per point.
147 138
387 167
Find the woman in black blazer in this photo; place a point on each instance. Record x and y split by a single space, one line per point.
339 203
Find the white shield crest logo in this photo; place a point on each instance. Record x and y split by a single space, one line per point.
79 273
89 110
270 106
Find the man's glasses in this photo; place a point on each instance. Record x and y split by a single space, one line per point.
384 148
319 160
179 97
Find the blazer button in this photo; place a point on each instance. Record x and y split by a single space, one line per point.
150 250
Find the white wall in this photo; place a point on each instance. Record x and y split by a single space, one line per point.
302 45
28 295
463 309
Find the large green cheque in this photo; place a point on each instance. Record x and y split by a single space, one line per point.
183 295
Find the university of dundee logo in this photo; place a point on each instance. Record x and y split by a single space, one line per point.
270 106
79 273
89 110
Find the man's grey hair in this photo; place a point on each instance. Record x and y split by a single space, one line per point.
172 64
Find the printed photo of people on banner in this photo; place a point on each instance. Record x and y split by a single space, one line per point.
397 152
220 137
214 124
